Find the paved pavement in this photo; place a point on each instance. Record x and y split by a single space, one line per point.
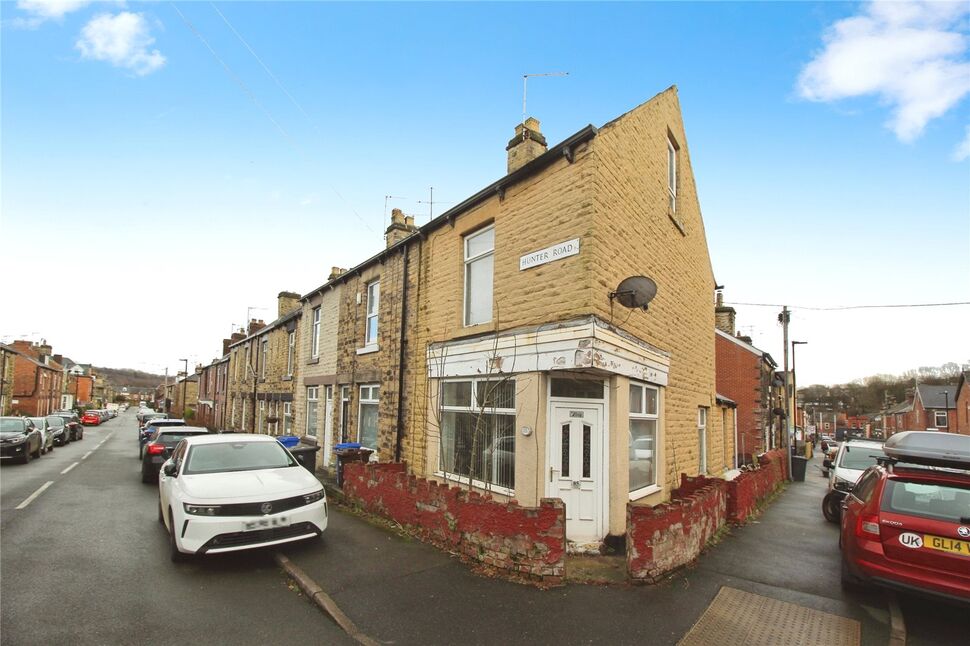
403 591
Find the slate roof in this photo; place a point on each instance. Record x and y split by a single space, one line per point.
932 396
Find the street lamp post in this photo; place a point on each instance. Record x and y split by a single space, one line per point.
794 380
185 383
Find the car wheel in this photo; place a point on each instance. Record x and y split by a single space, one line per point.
146 476
831 508
173 550
37 452
26 457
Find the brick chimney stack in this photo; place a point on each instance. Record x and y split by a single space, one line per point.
724 316
527 144
336 272
401 227
287 302
255 326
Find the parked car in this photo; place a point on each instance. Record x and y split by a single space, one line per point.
19 439
852 458
91 418
222 493
48 433
73 422
146 416
160 445
906 522
59 430
153 425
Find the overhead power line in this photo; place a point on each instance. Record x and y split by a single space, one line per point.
852 307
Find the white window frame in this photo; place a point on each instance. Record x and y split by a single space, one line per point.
315 334
474 408
702 440
672 174
290 352
312 395
369 400
655 487
287 418
372 313
264 356
937 415
469 261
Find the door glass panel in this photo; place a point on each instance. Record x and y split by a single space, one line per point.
565 450
587 432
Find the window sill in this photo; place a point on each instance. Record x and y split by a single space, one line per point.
313 361
368 349
644 492
288 378
677 222
478 484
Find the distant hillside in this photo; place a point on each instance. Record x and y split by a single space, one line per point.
119 377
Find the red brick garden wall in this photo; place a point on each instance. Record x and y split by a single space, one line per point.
665 537
748 490
527 541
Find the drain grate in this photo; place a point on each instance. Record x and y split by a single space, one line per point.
739 618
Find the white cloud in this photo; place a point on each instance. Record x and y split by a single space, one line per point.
40 11
963 150
122 40
911 55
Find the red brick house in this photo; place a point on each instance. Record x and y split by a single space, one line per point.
961 413
744 374
934 408
37 381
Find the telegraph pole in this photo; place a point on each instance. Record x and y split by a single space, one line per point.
785 318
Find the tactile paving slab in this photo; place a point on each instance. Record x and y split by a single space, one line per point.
739 618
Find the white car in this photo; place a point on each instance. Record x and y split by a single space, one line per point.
223 493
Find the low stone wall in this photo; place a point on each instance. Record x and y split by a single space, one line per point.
528 541
665 537
751 488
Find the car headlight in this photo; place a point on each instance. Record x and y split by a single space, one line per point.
20 439
202 510
314 497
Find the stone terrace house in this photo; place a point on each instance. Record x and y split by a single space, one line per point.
262 372
744 373
213 391
7 359
320 407
490 348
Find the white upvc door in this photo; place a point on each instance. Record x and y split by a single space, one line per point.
327 425
576 437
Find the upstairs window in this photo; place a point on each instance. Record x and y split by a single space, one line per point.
315 334
264 359
479 270
672 174
373 307
290 352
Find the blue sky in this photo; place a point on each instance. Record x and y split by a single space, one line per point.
148 164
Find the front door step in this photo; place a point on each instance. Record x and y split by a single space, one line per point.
590 548
596 570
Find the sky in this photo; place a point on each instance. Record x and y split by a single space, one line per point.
161 163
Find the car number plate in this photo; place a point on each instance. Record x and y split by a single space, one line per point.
950 545
266 523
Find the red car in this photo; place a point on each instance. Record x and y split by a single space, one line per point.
91 418
906 522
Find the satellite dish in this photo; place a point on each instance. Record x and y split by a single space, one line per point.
635 292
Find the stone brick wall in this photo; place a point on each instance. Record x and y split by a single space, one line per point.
634 232
667 536
529 542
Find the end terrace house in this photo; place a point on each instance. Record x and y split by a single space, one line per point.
493 347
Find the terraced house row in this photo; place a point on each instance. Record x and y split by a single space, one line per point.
500 346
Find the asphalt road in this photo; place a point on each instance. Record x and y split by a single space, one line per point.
86 562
